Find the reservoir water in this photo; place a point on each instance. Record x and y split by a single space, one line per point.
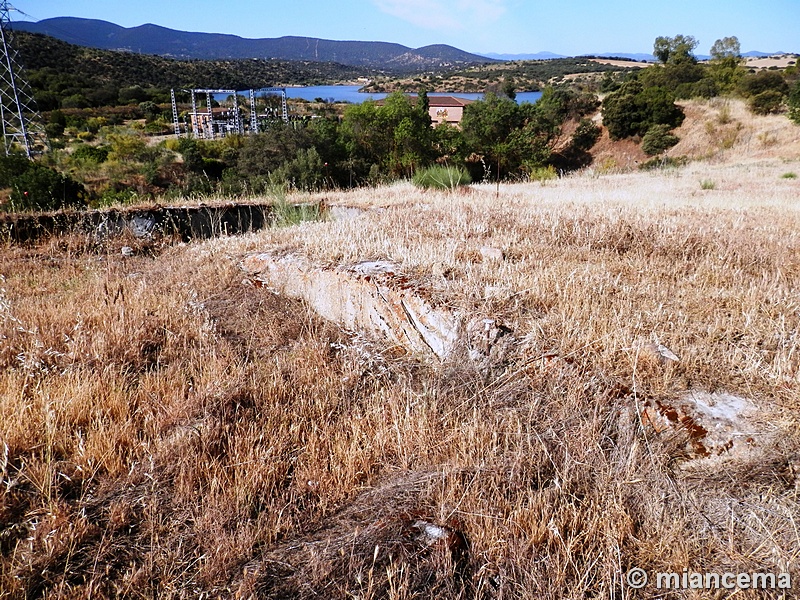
350 93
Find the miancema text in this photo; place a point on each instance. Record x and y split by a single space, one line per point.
711 581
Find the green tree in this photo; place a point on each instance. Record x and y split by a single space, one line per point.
486 128
676 49
266 152
726 65
75 101
58 122
395 136
11 167
305 172
448 142
515 139
150 110
365 136
678 71
412 140
132 95
329 143
192 157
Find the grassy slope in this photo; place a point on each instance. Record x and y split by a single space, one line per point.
167 430
716 130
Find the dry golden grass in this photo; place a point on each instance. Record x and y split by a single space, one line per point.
724 129
781 61
166 431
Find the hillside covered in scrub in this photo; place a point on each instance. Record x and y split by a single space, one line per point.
116 143
69 76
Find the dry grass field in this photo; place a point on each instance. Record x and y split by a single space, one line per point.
167 431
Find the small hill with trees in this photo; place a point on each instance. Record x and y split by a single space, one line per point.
68 76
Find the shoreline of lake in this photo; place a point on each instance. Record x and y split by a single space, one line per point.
353 95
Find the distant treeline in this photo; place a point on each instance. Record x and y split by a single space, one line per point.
521 75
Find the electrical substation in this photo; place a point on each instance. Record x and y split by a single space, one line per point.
212 119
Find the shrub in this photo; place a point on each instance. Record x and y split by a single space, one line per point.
92 154
586 135
789 175
11 167
664 162
542 173
705 88
441 178
264 153
39 188
794 103
127 147
658 139
707 184
634 109
306 172
764 81
766 103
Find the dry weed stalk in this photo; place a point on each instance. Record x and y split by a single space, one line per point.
166 431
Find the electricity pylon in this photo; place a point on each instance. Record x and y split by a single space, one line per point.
22 124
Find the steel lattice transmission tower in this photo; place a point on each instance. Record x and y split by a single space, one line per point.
22 124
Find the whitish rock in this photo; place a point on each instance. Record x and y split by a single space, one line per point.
491 254
344 213
716 424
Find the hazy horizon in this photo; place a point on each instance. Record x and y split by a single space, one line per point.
570 28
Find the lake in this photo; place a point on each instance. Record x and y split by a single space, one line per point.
350 93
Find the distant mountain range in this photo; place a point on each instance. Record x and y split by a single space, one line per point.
161 41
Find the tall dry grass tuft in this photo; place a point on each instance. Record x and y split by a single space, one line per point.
167 431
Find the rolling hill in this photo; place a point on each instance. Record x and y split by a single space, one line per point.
63 70
157 40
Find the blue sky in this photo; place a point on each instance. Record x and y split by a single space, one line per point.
569 27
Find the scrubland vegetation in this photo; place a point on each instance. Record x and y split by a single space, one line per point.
108 150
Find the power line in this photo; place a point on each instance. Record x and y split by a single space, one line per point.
21 122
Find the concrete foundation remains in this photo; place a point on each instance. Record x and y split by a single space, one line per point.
370 296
